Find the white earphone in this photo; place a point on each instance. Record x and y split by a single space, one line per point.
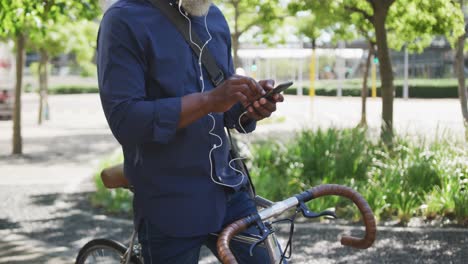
211 132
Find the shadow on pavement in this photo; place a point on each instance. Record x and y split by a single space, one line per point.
7 224
62 232
314 244
69 227
62 149
70 222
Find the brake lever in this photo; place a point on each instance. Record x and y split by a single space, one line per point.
265 232
309 214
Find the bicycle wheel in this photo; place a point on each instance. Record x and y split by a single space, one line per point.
103 251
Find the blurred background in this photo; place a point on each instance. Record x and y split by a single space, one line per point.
379 103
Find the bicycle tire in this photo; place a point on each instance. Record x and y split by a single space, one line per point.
99 248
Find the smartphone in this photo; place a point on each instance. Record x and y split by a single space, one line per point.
278 89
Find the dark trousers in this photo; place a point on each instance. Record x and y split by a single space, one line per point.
159 248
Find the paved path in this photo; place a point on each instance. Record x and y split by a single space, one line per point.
45 215
43 194
429 118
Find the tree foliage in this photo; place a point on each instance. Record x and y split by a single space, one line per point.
30 17
415 23
244 16
23 20
76 37
393 24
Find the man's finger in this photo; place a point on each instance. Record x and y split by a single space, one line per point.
268 105
259 88
245 89
254 115
241 98
267 84
278 98
255 88
264 112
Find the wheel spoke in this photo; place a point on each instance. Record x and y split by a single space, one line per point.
102 254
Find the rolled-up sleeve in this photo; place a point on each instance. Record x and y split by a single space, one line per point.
121 74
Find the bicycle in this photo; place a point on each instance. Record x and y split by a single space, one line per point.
110 251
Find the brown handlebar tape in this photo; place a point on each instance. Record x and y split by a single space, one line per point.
224 252
366 211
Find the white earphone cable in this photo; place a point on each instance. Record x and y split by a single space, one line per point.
211 132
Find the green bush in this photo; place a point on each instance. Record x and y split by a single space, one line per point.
115 201
71 89
275 184
419 88
411 179
450 198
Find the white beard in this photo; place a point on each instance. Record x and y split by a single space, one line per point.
105 4
196 7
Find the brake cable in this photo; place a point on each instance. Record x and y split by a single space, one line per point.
307 213
291 234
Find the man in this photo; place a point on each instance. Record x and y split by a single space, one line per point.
176 156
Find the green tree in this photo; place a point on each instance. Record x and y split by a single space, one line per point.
23 18
245 15
437 18
312 26
460 70
342 26
413 24
395 23
71 37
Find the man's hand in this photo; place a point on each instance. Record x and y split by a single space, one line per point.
263 107
235 89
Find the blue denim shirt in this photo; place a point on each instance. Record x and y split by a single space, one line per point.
145 67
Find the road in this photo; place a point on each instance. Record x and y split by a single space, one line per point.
45 215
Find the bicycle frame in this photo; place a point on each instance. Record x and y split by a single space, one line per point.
271 243
128 254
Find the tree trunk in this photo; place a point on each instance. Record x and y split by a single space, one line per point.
235 36
386 72
235 49
460 71
20 54
365 90
43 74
